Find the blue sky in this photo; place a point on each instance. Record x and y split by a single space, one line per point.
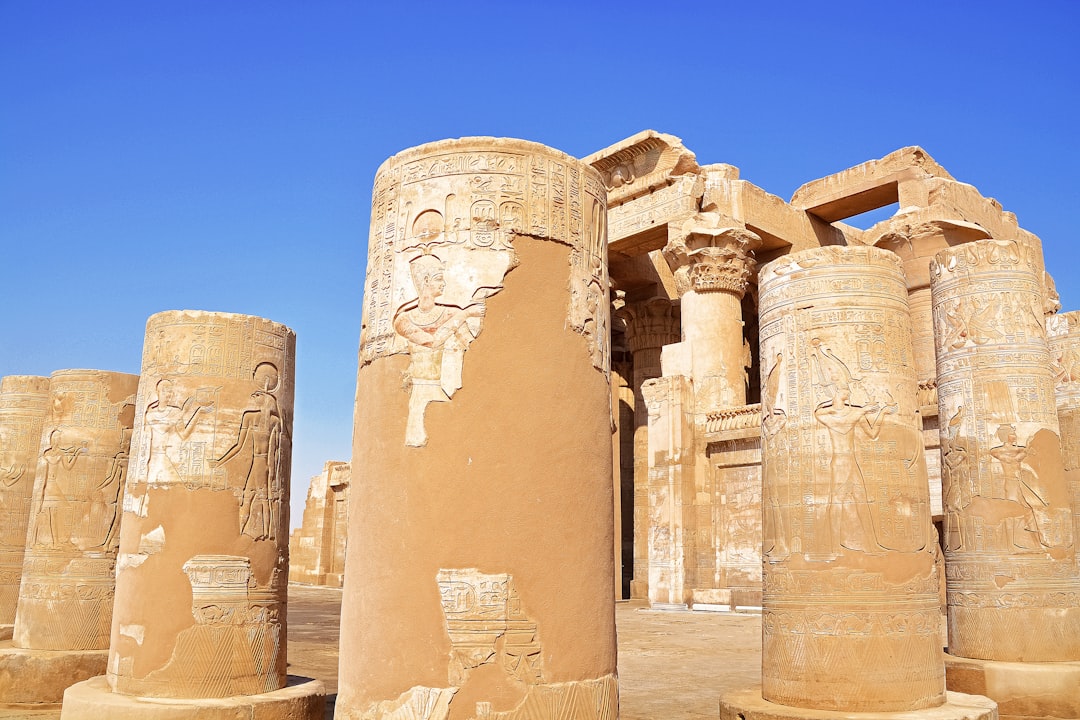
219 156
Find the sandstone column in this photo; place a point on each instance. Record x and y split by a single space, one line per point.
200 623
1064 336
478 579
1010 551
23 406
650 325
712 263
66 597
850 609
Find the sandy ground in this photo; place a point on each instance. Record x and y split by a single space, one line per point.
672 665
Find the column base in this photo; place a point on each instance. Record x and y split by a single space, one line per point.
748 704
93 699
1023 691
6 632
36 679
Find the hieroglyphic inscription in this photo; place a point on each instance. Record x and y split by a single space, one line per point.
443 222
66 598
23 406
1010 531
845 499
486 624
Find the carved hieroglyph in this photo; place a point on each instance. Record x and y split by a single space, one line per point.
443 225
203 564
1010 545
1063 332
851 620
463 596
24 402
66 596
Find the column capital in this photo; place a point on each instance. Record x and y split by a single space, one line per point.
709 254
650 323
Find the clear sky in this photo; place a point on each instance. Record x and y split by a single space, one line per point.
220 155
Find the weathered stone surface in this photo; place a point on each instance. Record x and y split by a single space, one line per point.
1022 691
24 403
36 679
299 699
479 574
66 596
203 565
1013 588
317 547
851 620
749 705
1063 333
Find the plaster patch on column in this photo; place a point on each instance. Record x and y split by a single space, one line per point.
580 700
486 624
416 703
152 542
129 560
135 632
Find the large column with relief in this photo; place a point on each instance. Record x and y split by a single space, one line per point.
1010 545
478 581
24 403
850 619
650 325
199 625
65 605
1063 333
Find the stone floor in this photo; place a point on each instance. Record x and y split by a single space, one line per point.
672 665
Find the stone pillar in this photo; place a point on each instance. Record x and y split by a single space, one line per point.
1010 551
850 619
1064 336
199 625
650 325
24 402
712 263
670 401
66 597
483 505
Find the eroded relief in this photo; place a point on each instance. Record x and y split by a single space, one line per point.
1064 335
237 633
846 509
65 602
486 624
443 226
24 403
1010 528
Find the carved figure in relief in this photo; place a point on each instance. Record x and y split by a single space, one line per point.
773 418
260 435
1018 490
55 489
11 470
104 519
957 482
169 422
438 335
847 486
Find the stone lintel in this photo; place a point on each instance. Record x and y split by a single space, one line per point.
300 699
1023 691
867 186
36 679
640 164
748 704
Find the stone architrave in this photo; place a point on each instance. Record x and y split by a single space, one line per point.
61 633
478 579
202 570
1010 535
650 325
24 403
850 619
